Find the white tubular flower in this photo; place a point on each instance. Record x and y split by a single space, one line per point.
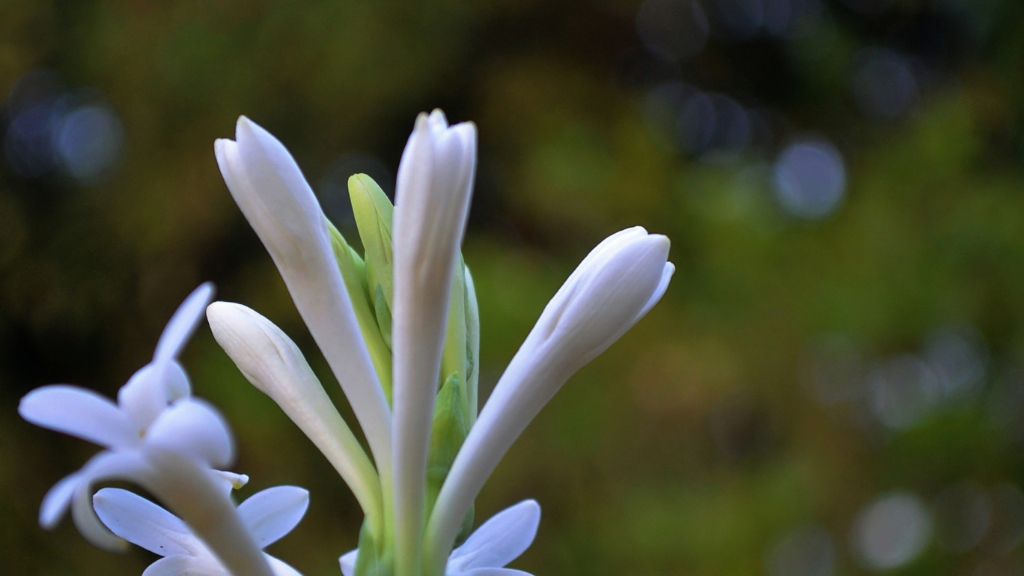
275 198
610 291
122 426
273 363
489 548
435 180
157 436
268 516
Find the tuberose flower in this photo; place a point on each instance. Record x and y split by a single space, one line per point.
272 362
402 323
267 515
157 436
275 198
435 181
609 292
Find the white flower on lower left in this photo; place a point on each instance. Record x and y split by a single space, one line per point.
154 411
268 515
159 437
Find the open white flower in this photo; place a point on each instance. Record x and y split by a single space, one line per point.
268 516
489 548
609 292
157 436
87 415
142 404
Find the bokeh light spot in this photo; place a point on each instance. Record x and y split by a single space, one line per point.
892 531
88 141
810 179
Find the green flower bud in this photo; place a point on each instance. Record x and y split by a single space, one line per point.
354 273
373 212
472 347
450 427
455 348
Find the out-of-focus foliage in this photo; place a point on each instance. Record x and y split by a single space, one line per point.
833 385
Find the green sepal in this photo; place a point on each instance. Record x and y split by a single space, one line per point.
354 274
374 213
453 360
472 346
372 560
449 429
382 310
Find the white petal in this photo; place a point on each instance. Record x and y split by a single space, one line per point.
186 566
666 277
500 540
607 299
194 428
268 186
272 362
144 523
175 379
280 568
348 562
145 396
78 412
491 572
104 466
57 500
274 512
183 323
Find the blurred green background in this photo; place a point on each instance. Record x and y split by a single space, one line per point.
833 385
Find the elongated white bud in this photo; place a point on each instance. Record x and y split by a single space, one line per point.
272 362
435 180
272 193
610 291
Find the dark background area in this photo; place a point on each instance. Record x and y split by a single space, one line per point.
833 385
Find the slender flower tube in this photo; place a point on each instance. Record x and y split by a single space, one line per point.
275 198
273 364
610 291
268 516
435 180
489 548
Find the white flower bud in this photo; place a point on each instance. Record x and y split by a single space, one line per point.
274 364
435 180
611 290
272 193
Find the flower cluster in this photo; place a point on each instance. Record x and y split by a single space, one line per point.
399 328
